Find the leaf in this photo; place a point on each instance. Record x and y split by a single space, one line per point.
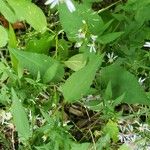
111 128
103 142
3 37
76 62
108 92
39 63
107 38
123 82
79 82
40 44
82 146
7 12
54 73
12 42
25 10
20 117
72 22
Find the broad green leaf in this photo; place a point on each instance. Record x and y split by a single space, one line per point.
78 84
111 128
26 10
3 36
12 42
39 44
53 73
20 118
107 38
39 63
123 82
76 62
7 12
72 22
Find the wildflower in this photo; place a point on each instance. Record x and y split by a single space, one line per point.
44 137
92 47
93 37
80 34
5 116
78 44
141 80
143 128
69 4
147 44
111 57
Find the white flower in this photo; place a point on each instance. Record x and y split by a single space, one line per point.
44 137
78 44
69 4
141 80
93 37
92 47
143 128
147 44
80 34
5 116
111 57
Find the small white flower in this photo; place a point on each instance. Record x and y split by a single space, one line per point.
143 128
69 4
111 57
141 80
44 137
93 37
92 47
78 44
80 34
147 44
5 116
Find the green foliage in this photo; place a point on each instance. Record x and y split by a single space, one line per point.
74 80
4 37
20 118
73 90
123 81
7 12
25 10
76 62
39 44
111 128
34 63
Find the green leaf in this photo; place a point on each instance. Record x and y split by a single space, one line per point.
125 147
53 73
20 117
39 63
103 142
25 10
79 82
111 128
72 22
3 37
108 92
12 42
107 38
83 146
76 62
39 44
7 12
123 82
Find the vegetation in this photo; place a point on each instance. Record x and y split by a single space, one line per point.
75 75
